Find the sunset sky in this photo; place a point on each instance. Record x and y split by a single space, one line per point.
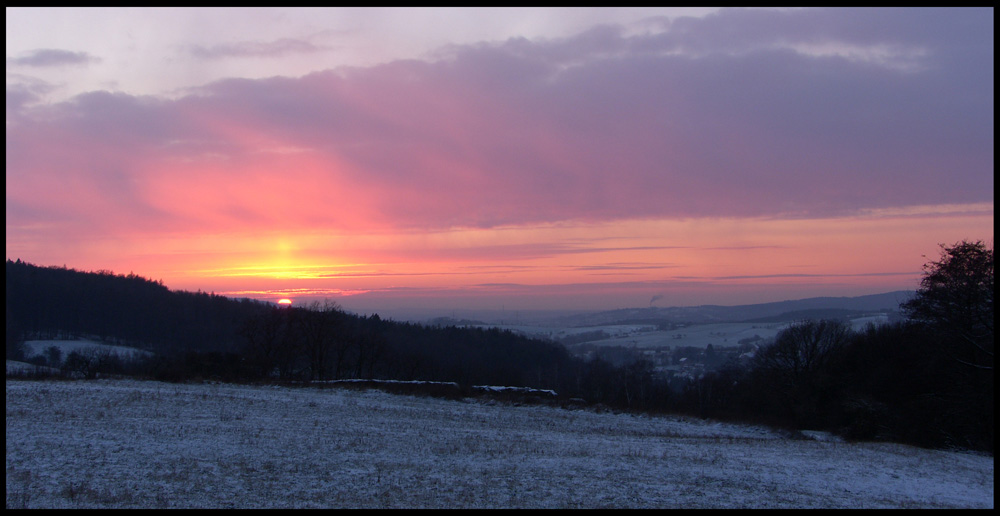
398 159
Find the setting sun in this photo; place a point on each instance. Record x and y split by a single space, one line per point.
284 301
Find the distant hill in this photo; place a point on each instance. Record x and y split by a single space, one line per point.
780 311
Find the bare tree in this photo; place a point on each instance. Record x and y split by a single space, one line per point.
321 326
803 349
369 345
270 342
796 368
54 356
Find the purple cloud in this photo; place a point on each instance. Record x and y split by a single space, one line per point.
50 57
808 113
277 48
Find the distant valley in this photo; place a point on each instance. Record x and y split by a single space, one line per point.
684 342
780 311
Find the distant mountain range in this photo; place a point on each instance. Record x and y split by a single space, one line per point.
780 311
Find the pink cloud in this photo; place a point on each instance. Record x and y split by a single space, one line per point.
715 118
526 132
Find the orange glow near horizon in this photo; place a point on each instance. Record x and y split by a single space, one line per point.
695 261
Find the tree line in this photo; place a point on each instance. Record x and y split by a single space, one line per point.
926 381
206 336
120 309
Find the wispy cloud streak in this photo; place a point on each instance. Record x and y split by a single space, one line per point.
52 57
257 49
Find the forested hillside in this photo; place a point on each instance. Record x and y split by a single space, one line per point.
124 309
210 336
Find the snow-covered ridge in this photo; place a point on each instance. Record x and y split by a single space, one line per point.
65 346
485 388
515 390
128 443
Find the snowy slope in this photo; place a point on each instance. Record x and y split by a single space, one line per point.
38 347
147 444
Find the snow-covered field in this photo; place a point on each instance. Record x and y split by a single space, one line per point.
647 336
123 443
38 347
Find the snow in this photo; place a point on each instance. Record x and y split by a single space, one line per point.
17 368
132 444
518 390
38 347
390 382
860 323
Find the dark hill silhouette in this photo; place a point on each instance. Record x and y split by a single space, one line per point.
211 335
122 309
780 311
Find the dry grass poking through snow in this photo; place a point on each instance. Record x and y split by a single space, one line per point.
154 445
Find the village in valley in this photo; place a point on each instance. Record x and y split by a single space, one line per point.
677 351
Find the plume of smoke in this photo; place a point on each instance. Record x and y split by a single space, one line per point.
655 299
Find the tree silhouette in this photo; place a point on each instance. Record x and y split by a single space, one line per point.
956 299
797 367
322 339
955 304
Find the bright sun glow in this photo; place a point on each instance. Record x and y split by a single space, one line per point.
284 301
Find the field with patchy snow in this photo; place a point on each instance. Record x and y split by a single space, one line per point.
122 443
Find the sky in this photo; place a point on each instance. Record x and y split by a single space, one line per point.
449 159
